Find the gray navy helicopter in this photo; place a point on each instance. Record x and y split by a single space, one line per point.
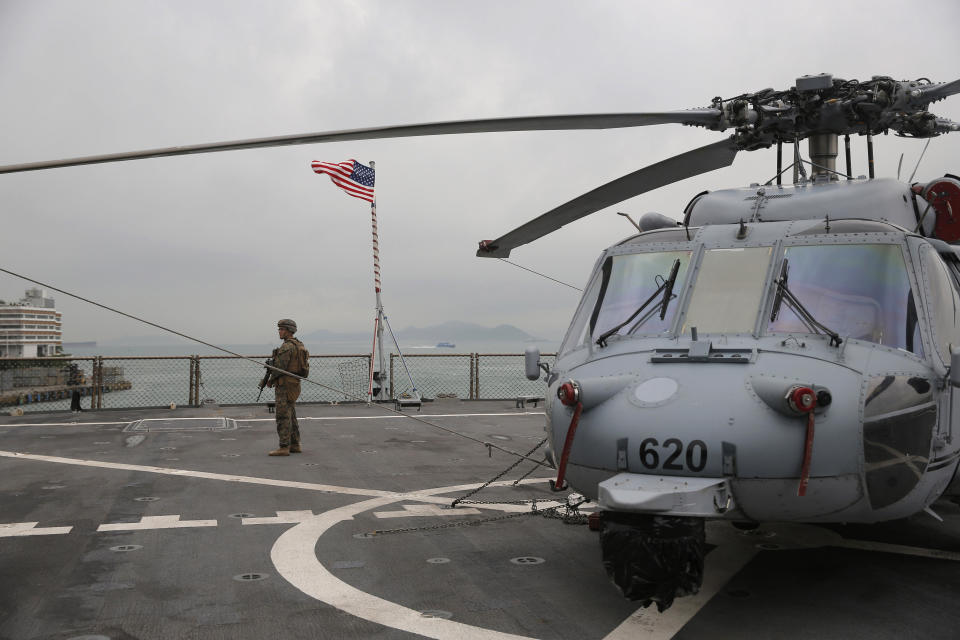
785 353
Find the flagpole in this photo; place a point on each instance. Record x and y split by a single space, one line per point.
358 181
373 349
378 321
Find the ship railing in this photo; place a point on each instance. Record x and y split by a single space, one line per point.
127 382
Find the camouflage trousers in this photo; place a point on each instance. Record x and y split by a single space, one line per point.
288 429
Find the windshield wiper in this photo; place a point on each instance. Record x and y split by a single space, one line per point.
778 299
785 295
666 288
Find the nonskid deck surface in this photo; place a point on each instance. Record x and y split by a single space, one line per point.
176 524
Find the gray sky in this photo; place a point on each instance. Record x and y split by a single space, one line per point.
221 245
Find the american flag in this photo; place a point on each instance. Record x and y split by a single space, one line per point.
351 176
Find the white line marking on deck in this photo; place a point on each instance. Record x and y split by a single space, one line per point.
420 510
18 529
282 517
392 417
221 418
156 522
296 560
62 424
868 545
289 484
311 486
396 417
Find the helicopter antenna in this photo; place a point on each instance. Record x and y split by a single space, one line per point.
900 165
627 216
919 160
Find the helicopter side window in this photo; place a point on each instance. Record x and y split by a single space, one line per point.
943 303
579 333
627 282
859 291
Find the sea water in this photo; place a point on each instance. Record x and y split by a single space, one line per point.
160 374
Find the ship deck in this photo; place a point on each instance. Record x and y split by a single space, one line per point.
176 524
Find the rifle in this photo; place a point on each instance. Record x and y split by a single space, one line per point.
266 376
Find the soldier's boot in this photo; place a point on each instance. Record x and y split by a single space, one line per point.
295 448
282 451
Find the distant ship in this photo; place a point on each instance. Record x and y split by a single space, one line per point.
448 345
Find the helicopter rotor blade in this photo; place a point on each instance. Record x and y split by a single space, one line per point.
686 165
945 125
938 91
710 118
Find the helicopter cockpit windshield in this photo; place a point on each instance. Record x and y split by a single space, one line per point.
728 291
630 280
859 291
620 288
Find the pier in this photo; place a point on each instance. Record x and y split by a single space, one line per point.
17 397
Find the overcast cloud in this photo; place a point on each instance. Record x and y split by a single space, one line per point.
221 245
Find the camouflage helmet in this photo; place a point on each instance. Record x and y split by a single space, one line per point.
287 324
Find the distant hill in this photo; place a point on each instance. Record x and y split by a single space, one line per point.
452 331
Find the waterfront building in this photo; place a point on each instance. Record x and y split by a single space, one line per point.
30 328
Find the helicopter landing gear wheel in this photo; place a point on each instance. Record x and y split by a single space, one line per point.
653 558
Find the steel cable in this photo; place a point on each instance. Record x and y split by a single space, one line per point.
520 266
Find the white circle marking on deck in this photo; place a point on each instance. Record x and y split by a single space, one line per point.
294 556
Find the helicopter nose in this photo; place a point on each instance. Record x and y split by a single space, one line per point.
747 427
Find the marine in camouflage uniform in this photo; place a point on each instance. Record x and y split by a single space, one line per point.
288 357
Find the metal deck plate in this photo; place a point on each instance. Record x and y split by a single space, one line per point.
181 424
